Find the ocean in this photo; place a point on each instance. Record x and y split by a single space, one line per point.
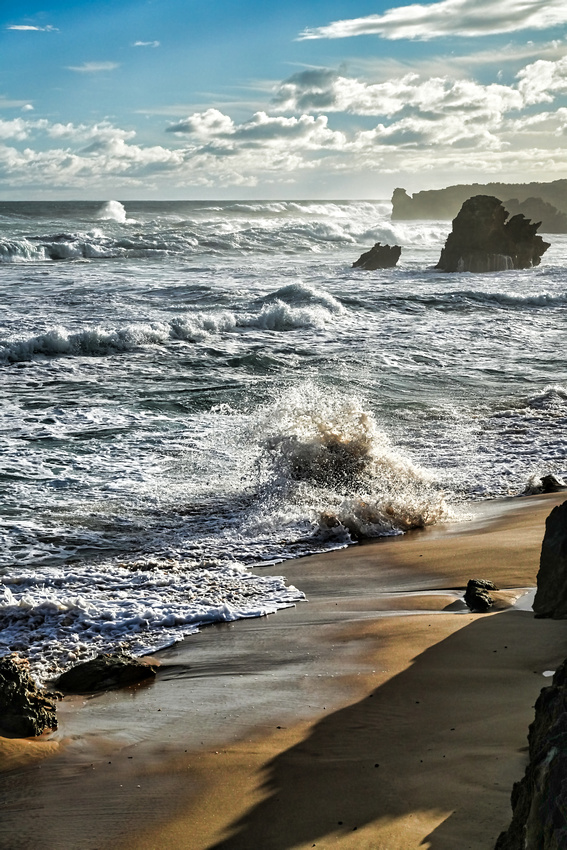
193 393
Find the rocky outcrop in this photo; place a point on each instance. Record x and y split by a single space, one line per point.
551 596
106 671
379 257
539 800
25 710
549 483
477 597
446 203
483 240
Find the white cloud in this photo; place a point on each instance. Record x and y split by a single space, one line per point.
146 44
450 18
329 91
28 28
94 67
212 122
412 123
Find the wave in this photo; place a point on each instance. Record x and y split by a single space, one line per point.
313 309
114 211
325 457
59 616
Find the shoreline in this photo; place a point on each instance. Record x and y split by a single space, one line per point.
268 729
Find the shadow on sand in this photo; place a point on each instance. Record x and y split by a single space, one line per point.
442 741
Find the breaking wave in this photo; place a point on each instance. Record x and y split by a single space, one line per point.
62 616
304 307
325 456
114 211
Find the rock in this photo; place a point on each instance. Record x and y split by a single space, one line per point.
379 257
477 597
482 240
546 484
25 709
107 670
551 597
539 800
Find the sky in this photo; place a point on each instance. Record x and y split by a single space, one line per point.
329 99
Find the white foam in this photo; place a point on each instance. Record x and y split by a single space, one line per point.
58 616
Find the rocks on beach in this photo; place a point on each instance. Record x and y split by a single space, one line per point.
379 257
551 596
477 597
106 671
25 709
485 239
539 800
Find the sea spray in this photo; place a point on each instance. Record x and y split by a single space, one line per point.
325 455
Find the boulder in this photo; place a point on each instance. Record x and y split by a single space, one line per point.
551 596
477 597
549 483
539 800
106 671
379 257
483 240
25 709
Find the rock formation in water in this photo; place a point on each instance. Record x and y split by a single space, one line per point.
551 596
379 257
482 240
25 709
477 597
446 203
539 800
107 670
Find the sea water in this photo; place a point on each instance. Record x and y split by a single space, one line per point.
193 392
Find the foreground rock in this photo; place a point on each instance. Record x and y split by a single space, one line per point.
539 800
551 597
104 672
477 597
25 710
379 257
482 240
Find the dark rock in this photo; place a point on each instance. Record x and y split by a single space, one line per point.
106 671
546 484
539 800
379 257
477 597
482 240
25 709
551 597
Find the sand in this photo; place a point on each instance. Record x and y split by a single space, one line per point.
380 714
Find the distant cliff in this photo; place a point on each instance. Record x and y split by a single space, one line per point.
549 200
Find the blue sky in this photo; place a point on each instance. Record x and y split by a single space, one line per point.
325 99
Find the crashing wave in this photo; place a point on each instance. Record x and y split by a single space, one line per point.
327 456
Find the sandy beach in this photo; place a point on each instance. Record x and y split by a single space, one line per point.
379 714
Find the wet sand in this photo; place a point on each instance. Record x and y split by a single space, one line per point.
380 714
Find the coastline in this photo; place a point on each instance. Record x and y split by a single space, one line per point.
266 732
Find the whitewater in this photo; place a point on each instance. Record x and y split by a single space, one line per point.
193 393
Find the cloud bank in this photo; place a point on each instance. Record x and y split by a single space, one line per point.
410 123
465 18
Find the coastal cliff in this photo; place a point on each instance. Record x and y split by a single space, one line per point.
446 203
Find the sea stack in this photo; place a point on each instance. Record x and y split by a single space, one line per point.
484 240
379 257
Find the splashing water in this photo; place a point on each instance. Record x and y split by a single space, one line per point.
326 455
113 211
